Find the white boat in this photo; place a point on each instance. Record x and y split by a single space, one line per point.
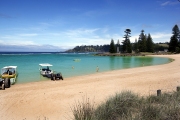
45 70
9 73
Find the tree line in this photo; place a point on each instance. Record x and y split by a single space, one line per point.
143 44
90 48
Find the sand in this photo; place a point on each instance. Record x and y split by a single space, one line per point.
53 100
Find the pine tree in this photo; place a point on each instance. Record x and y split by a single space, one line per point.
173 43
175 39
126 44
176 32
142 42
129 46
112 48
149 44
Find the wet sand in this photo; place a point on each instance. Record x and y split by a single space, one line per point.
53 100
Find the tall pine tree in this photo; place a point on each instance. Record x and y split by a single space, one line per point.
126 44
112 48
173 44
149 44
176 32
142 42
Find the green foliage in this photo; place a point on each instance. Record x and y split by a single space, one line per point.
129 46
142 42
161 46
90 48
177 50
119 106
126 44
173 44
145 43
175 39
83 110
129 106
149 44
150 112
112 48
176 32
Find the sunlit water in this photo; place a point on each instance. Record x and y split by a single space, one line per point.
28 64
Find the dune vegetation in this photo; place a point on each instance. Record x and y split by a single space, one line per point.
130 106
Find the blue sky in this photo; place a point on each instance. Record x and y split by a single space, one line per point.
57 25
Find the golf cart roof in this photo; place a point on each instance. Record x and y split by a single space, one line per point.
8 67
45 64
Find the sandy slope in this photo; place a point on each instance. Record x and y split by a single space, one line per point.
53 99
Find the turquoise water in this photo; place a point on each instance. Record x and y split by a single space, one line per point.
28 64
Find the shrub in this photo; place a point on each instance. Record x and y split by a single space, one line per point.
83 110
129 106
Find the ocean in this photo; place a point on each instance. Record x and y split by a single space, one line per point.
71 64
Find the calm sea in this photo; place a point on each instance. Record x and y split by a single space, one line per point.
28 63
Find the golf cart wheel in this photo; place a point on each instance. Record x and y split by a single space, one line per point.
6 83
3 87
62 77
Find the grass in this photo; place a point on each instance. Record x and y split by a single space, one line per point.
130 106
83 110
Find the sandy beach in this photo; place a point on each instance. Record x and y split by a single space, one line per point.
53 100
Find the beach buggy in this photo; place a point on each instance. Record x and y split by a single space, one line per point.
9 75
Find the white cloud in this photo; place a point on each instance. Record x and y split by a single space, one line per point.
70 38
31 48
105 30
157 37
78 37
165 3
169 3
161 37
134 37
81 32
17 42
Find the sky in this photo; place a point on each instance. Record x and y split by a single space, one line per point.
58 25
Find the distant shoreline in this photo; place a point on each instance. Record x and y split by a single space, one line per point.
131 54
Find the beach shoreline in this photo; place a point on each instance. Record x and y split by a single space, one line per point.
54 99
